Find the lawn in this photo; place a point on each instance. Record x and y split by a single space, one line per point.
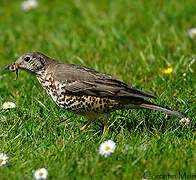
130 40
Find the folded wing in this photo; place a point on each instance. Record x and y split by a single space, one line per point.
80 80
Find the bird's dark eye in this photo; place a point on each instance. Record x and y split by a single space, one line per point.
27 58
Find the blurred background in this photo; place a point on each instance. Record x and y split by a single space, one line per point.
139 36
150 44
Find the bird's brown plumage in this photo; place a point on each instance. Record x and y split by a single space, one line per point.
83 90
85 81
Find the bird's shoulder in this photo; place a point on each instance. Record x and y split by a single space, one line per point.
71 72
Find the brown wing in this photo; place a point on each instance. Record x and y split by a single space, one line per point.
81 80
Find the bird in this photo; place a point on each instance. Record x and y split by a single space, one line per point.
84 91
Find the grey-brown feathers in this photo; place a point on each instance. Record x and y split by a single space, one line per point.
84 81
83 90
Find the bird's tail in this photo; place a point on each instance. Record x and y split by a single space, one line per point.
148 105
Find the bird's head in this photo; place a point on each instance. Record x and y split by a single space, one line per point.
32 62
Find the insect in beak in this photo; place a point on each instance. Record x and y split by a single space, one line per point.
14 68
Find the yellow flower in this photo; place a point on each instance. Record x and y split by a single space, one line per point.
168 70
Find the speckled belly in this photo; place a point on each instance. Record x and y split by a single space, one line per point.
85 104
79 104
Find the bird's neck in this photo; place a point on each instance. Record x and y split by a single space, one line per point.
41 73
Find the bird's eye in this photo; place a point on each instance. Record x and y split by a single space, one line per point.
27 58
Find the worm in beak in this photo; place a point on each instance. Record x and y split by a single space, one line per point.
14 68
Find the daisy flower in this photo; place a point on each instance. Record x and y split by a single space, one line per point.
41 173
192 33
168 70
3 159
184 121
29 4
8 105
107 147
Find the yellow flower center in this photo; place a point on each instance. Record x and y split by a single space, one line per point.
41 173
194 33
8 106
29 5
107 148
184 121
168 70
1 160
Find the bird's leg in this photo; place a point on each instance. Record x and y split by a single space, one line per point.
86 125
91 118
105 126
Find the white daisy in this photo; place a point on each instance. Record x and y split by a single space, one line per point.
3 159
184 121
8 105
29 4
41 173
192 33
107 147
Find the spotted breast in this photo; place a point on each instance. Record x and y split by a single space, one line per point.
83 90
78 104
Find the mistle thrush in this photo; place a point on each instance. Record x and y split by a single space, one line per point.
83 90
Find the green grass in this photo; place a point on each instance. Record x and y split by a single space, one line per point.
130 40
